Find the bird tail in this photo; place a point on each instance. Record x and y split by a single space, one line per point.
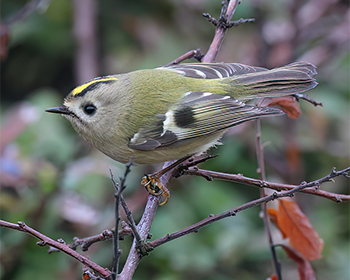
293 78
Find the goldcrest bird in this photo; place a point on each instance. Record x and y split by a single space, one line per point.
167 113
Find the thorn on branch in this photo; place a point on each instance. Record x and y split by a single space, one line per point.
60 240
167 236
41 243
143 248
334 171
107 233
263 184
339 199
21 224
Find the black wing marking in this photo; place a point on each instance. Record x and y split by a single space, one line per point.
198 114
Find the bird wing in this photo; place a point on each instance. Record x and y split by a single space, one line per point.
212 70
197 114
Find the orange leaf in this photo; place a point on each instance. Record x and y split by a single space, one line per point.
273 213
304 267
288 105
295 225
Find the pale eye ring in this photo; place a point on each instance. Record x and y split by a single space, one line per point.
89 109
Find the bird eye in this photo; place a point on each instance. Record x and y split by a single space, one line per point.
89 109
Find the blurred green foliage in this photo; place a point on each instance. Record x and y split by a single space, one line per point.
55 182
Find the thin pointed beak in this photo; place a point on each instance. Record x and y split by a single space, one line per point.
59 110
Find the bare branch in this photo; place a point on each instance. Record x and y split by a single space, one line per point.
119 199
227 11
261 163
239 178
197 54
213 218
143 228
308 99
137 251
60 245
85 33
107 234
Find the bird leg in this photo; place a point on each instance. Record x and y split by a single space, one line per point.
153 184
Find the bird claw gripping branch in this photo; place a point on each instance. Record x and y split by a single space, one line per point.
155 187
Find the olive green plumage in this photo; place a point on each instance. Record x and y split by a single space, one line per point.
162 114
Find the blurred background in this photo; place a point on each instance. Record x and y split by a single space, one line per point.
56 183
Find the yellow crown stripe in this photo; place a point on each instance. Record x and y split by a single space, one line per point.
79 89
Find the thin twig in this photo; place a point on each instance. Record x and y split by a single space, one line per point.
192 161
308 99
138 251
261 163
197 54
86 242
60 245
143 227
116 250
227 11
213 218
85 32
239 178
130 218
106 235
119 189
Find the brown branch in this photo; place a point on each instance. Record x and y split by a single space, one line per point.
308 99
143 228
107 234
261 163
239 178
85 33
58 245
213 218
227 12
138 251
197 54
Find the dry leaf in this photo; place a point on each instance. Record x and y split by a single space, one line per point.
288 105
295 225
304 267
273 213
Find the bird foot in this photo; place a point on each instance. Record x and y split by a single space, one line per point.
155 187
